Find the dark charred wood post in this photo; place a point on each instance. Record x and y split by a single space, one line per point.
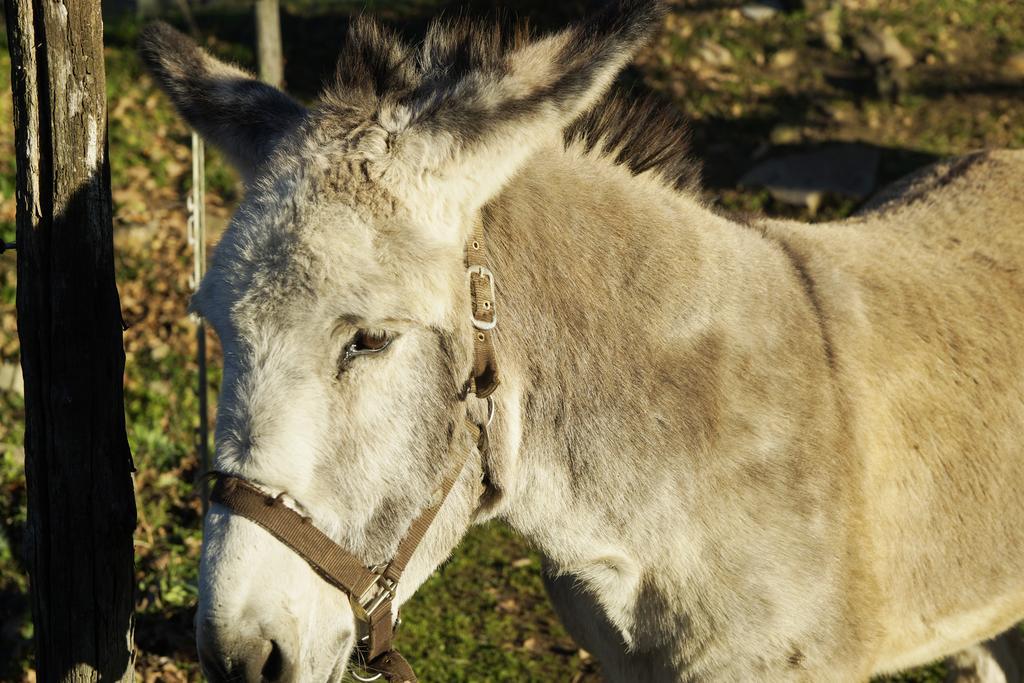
268 39
81 505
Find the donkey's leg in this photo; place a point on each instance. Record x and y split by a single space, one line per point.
999 660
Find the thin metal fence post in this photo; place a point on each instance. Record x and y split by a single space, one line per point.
197 240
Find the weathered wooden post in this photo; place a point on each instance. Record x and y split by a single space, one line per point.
81 505
268 42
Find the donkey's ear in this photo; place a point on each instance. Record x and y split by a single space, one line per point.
472 132
231 109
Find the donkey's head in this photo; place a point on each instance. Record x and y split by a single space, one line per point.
340 296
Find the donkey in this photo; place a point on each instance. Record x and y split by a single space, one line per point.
748 450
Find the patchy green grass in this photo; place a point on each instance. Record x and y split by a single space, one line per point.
751 91
485 616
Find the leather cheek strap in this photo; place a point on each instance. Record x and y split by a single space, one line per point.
482 293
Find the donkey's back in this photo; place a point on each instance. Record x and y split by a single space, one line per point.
922 298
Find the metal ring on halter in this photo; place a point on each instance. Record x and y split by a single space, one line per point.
491 410
375 677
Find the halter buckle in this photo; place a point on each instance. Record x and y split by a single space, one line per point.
370 601
484 273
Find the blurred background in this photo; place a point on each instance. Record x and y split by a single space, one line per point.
798 108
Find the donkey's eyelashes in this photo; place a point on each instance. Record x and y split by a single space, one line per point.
365 342
372 340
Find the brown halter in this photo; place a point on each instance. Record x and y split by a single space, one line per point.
371 590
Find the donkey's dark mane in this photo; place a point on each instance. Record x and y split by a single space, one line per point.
641 133
377 65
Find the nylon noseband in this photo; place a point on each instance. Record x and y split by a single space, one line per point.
372 590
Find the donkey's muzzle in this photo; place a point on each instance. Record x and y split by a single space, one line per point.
235 657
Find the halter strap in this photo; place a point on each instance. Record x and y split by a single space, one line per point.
482 294
421 524
371 591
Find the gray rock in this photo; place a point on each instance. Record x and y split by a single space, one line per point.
804 179
760 11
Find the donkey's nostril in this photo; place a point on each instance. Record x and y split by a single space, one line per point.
252 661
240 651
273 668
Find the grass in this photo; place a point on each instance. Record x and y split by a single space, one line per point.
484 616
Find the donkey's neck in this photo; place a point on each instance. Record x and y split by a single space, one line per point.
611 290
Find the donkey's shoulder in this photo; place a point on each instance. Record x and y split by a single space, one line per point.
984 170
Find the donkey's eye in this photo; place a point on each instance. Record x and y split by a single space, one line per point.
365 342
371 341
